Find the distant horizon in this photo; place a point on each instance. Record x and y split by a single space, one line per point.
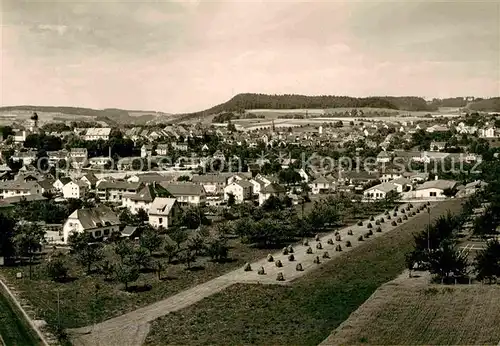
183 57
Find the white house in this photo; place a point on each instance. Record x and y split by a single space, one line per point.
186 192
437 146
60 182
434 188
113 191
402 184
212 183
15 188
99 161
146 150
273 189
257 185
99 222
163 212
487 132
75 189
20 136
379 191
320 185
241 190
162 149
144 197
96 133
383 157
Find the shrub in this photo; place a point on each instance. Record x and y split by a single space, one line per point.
405 217
280 277
261 271
309 250
57 269
399 220
298 267
270 258
329 241
360 238
372 218
338 248
316 260
379 229
290 249
291 257
377 222
348 243
326 255
285 251
393 223
338 238
360 223
278 264
369 225
349 232
247 267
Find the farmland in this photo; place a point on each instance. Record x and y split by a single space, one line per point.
303 313
410 311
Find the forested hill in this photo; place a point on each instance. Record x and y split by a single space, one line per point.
486 105
263 101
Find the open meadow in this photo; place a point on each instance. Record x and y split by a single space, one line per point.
303 313
413 312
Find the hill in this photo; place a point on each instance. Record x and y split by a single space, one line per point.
243 102
486 105
110 115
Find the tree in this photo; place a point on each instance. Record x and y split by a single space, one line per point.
231 200
140 258
57 269
184 178
447 260
124 250
196 244
107 269
86 251
218 249
126 274
7 247
150 239
193 217
28 240
142 215
187 257
178 235
487 261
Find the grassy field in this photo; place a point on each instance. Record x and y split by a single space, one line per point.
302 314
403 312
13 330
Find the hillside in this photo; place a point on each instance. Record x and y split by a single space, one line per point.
242 102
486 105
110 115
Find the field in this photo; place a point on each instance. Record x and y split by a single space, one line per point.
304 313
13 330
410 311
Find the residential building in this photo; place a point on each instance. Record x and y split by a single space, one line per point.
384 157
100 162
75 189
379 191
434 188
437 146
163 212
143 198
96 133
90 179
100 222
146 150
242 190
273 189
60 182
212 183
188 193
14 188
162 149
321 185
113 191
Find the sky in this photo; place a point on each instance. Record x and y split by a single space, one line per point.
186 56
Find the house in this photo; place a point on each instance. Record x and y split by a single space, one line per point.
20 136
379 191
437 146
143 198
75 189
100 222
180 146
487 132
78 157
416 177
186 192
321 185
113 191
242 190
434 188
402 184
148 177
146 150
473 187
383 157
96 133
47 185
212 183
162 149
26 157
90 179
56 156
437 128
14 188
163 212
303 175
60 182
273 189
100 162
257 185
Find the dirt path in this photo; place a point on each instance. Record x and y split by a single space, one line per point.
133 327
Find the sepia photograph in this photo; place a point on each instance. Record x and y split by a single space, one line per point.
236 172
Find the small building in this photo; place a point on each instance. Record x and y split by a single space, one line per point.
188 193
273 189
321 185
434 188
383 157
163 212
100 222
242 190
16 188
75 189
146 150
143 198
97 133
379 191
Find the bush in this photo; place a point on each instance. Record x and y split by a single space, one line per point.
349 232
298 267
57 269
270 258
360 238
261 271
247 267
338 248
377 222
393 223
326 255
309 250
348 243
399 220
319 246
338 237
379 229
372 218
278 264
360 223
369 225
329 241
291 257
405 217
316 260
